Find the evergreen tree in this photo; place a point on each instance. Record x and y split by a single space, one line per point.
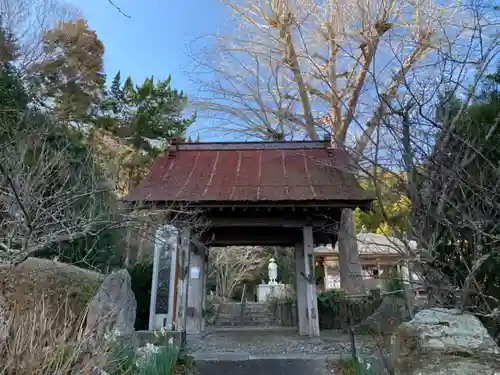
142 119
144 116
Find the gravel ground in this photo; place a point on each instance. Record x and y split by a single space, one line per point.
278 342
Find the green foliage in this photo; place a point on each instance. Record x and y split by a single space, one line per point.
394 281
8 46
356 366
100 252
185 358
286 265
159 357
141 120
145 116
121 359
142 277
390 211
13 98
329 301
162 362
336 311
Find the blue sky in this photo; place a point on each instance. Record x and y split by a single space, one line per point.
153 41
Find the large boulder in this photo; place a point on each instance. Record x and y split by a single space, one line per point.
4 320
444 341
46 299
112 311
63 289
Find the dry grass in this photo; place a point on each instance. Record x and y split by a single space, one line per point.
40 344
60 283
46 333
47 303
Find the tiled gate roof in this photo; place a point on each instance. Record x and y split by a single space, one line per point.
250 172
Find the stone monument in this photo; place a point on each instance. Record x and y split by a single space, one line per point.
272 289
272 269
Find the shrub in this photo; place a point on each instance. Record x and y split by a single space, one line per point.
394 281
336 311
161 362
356 367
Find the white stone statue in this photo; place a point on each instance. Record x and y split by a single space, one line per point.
273 272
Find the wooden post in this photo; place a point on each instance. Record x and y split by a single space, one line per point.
173 283
196 275
204 291
183 278
154 283
311 301
301 290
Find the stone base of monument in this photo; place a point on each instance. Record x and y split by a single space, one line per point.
267 291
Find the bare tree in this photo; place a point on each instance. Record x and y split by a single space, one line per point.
52 192
440 132
296 67
29 20
46 197
232 264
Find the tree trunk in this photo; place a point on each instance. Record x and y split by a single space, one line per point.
351 277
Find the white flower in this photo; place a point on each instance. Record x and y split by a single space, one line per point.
364 362
143 354
171 341
163 330
150 348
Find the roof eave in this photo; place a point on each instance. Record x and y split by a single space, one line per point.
363 204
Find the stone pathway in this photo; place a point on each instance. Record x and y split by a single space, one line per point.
263 367
274 343
274 352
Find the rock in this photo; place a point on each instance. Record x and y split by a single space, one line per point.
60 290
4 321
446 331
452 365
444 341
112 310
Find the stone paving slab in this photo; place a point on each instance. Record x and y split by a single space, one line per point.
263 367
245 356
275 342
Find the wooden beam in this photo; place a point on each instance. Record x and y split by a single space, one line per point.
265 222
248 236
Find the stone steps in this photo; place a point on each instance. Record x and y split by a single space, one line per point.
254 315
